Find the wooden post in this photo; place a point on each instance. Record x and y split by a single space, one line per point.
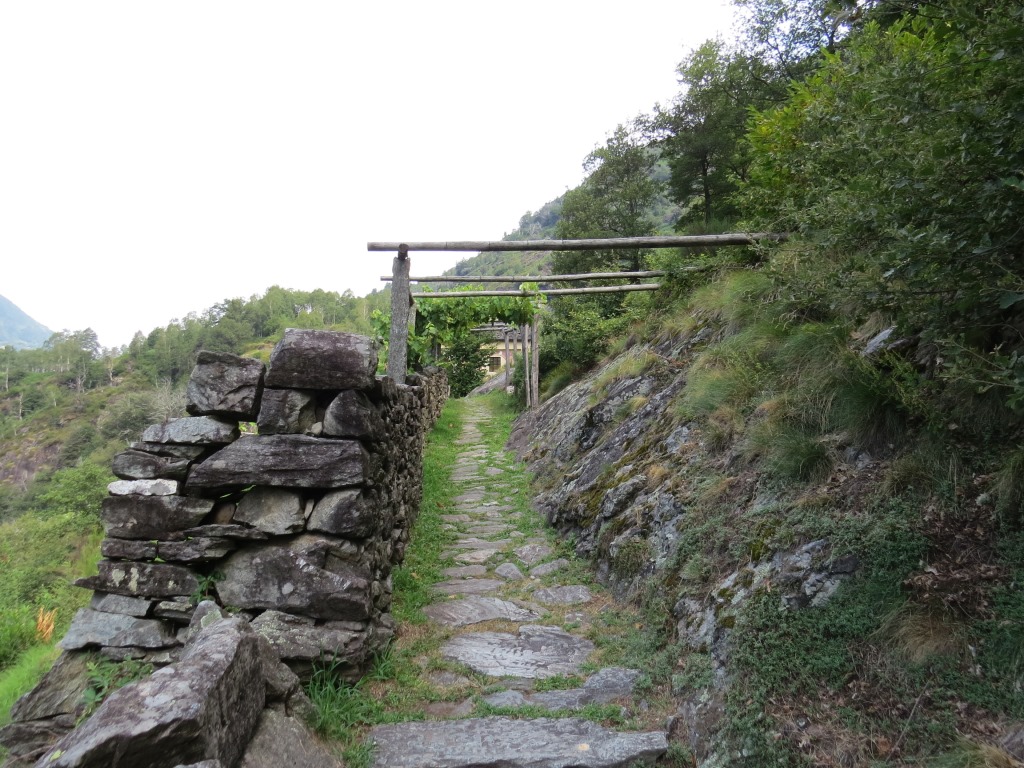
507 366
401 299
535 374
527 379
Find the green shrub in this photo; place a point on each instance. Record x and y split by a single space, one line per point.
17 632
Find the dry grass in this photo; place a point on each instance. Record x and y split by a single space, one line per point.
920 634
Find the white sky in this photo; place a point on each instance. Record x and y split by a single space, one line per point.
159 157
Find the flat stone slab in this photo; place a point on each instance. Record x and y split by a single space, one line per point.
603 687
456 518
476 556
475 609
465 571
576 594
468 586
531 554
536 652
540 571
473 543
488 529
501 742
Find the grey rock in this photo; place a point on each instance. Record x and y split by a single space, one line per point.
507 699
26 741
351 414
141 465
276 511
143 487
467 586
192 430
197 549
300 638
226 531
575 594
291 461
878 342
323 360
58 693
476 556
509 572
223 384
176 611
475 609
286 412
151 517
465 571
278 736
500 742
170 450
90 627
540 571
531 554
129 606
536 652
282 683
474 543
128 549
203 708
346 512
274 577
141 579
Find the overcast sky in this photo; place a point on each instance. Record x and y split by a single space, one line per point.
159 157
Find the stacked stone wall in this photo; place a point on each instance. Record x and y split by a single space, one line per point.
294 526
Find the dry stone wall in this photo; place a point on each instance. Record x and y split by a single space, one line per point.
294 529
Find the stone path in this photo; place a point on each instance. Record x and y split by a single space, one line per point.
509 582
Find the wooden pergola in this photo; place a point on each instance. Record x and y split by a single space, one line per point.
403 298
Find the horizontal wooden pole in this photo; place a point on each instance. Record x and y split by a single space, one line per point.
548 278
545 291
531 278
663 241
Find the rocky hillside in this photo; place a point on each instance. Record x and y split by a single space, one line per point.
831 616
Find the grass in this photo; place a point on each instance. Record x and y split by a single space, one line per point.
23 675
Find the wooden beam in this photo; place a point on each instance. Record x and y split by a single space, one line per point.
551 278
664 241
532 278
545 291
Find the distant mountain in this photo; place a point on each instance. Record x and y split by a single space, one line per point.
18 330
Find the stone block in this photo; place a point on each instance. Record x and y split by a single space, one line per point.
272 510
288 461
347 512
192 430
223 384
311 359
141 579
151 517
286 412
274 577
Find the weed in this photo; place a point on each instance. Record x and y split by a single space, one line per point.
105 677
206 587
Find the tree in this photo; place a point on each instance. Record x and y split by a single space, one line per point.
613 201
899 163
